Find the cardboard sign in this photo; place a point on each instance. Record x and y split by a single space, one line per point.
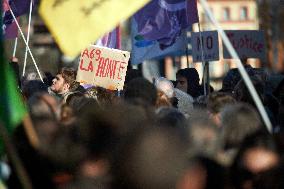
247 43
210 42
77 23
103 67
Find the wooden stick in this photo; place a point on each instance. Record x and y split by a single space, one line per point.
15 47
14 158
30 132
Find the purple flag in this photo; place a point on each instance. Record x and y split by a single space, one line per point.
11 31
164 20
111 39
19 7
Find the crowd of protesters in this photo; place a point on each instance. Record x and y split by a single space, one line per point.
156 135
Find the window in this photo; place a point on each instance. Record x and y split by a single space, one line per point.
226 14
244 13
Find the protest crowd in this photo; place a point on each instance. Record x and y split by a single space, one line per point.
105 126
165 134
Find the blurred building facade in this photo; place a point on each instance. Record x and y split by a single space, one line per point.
232 15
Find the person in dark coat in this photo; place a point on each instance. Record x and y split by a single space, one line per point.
188 81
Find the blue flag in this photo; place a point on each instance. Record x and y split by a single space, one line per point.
146 50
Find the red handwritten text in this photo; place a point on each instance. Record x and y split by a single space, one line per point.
87 66
107 67
245 42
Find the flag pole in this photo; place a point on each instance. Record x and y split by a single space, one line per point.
241 68
15 47
202 56
14 158
118 37
28 37
207 77
187 54
23 37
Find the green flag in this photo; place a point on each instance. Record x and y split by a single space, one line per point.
12 108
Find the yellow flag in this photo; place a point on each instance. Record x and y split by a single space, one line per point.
77 23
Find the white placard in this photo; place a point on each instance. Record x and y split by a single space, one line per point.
103 67
210 46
